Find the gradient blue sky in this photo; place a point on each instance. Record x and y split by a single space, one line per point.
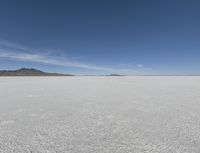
101 36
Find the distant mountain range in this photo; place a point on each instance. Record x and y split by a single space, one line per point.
29 72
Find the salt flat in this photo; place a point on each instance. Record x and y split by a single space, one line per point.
147 114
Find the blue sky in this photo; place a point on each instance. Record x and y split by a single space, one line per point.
101 36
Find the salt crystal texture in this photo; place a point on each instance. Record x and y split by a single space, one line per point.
147 114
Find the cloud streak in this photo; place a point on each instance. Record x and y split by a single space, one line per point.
49 60
14 51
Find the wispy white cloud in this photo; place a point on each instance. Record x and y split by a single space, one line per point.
138 69
49 60
14 51
140 66
5 44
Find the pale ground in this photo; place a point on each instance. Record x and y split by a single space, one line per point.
100 114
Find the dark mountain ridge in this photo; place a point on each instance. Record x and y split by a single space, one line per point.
29 72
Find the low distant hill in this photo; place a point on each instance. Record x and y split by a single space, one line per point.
115 75
29 72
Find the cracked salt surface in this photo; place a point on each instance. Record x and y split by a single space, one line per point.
100 114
